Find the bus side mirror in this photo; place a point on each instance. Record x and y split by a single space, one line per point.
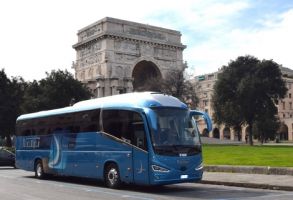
205 117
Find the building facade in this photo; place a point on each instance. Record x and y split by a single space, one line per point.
115 56
204 89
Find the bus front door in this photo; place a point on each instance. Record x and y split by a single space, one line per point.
140 156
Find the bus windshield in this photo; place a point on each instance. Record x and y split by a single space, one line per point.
176 133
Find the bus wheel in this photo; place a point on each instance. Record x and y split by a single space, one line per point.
39 170
112 177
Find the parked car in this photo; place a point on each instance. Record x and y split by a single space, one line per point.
7 158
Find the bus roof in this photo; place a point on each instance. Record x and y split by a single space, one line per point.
133 100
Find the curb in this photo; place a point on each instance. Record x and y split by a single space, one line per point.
250 169
249 185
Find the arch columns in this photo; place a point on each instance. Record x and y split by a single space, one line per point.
289 124
221 129
233 134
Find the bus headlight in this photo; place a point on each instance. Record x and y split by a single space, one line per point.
199 167
157 168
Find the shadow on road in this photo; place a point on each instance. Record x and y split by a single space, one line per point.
6 168
197 190
192 190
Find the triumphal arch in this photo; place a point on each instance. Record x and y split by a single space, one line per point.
116 56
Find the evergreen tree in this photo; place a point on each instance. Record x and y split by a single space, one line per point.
245 90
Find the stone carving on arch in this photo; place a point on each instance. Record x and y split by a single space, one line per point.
117 72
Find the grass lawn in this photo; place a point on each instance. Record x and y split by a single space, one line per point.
274 156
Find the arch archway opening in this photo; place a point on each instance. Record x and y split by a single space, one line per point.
216 133
205 132
283 132
227 133
144 74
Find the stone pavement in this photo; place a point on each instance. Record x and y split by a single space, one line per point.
250 169
263 181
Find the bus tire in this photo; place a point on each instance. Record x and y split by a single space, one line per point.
112 176
39 170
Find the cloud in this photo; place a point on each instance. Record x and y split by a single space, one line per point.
216 33
272 40
36 36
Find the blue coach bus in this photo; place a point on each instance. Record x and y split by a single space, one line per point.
142 138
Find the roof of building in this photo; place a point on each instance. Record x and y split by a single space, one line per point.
286 71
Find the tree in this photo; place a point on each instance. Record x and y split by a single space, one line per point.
245 90
226 112
11 91
174 84
265 127
57 90
31 97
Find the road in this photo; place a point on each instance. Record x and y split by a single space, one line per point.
17 184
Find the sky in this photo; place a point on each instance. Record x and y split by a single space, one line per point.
36 36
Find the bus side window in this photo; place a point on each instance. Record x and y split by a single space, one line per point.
126 125
75 129
58 130
88 120
42 131
91 128
26 132
112 122
95 120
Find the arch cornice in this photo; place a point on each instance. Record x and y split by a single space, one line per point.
120 36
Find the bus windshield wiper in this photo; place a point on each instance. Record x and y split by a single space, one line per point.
189 149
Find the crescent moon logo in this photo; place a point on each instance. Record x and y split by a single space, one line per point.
140 170
55 155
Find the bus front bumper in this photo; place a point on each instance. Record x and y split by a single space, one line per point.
172 177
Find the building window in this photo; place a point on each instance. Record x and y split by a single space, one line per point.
283 105
284 115
289 95
210 77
